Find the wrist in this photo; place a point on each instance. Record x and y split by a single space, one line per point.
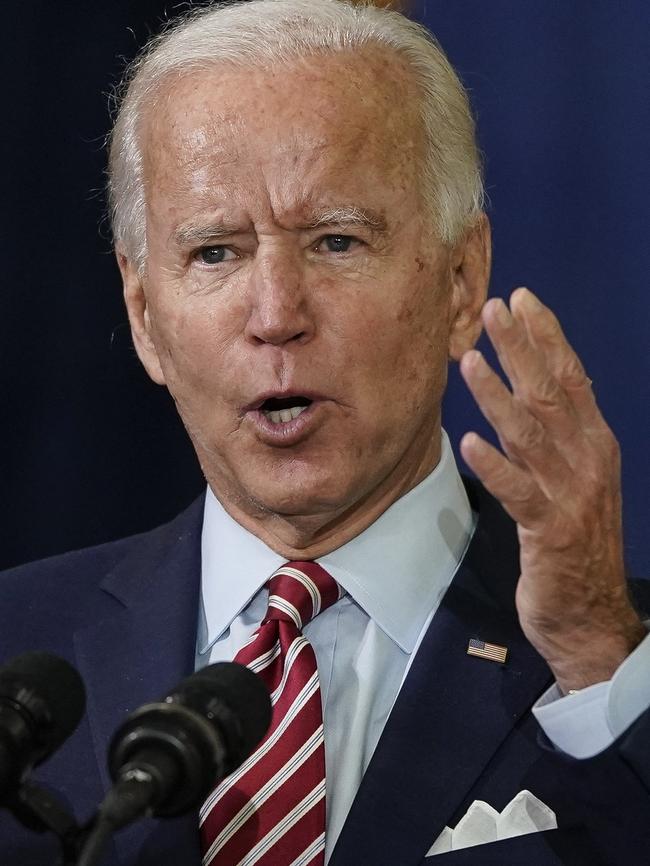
595 657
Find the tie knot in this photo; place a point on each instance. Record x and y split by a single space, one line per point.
299 591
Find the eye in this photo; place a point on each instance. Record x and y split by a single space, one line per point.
336 243
214 255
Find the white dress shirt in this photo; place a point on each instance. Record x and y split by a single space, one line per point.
394 574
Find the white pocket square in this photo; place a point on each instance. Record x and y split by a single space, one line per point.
525 813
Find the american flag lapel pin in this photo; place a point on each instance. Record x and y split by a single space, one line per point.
491 651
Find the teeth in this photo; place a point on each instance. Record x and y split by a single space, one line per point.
283 415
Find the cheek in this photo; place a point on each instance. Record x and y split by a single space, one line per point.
192 344
417 352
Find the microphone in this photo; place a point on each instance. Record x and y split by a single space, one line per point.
167 756
42 700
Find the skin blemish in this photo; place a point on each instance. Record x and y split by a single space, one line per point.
405 314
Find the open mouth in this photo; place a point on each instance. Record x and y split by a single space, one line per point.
280 410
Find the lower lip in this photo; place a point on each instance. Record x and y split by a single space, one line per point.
285 433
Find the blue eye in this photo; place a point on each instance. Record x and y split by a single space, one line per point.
338 243
214 255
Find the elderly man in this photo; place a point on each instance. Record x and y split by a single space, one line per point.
296 199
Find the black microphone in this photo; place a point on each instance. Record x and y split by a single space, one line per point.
167 757
42 700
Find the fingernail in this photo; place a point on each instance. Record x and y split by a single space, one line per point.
530 300
473 440
480 365
503 314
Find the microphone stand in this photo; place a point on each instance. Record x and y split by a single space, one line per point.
130 798
96 838
37 809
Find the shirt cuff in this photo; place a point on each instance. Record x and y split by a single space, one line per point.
587 722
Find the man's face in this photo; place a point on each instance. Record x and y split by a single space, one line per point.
295 302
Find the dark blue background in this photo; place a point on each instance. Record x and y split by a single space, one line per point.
92 451
561 93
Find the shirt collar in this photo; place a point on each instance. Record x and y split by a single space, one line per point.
397 569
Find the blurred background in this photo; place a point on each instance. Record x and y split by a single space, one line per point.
92 451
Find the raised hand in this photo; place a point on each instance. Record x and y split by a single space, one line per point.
559 479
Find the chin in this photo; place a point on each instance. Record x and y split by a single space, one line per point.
303 493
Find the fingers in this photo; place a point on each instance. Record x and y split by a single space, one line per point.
546 335
523 437
545 373
517 491
545 332
549 426
524 363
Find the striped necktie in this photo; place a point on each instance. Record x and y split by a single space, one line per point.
271 811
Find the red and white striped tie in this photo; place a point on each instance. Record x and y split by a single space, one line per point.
271 811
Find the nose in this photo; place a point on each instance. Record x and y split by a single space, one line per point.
279 311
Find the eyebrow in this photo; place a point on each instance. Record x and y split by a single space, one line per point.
348 216
198 233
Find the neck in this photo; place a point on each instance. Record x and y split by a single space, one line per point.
310 536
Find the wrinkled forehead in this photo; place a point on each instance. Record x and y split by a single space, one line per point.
360 106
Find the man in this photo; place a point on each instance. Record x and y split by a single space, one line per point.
297 212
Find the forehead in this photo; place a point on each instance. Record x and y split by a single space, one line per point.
333 120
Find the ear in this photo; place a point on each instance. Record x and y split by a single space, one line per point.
139 320
471 259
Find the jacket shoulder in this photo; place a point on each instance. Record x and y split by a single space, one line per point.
67 589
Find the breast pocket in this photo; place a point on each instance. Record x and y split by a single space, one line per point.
549 848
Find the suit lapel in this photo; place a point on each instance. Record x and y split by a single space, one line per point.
137 654
453 710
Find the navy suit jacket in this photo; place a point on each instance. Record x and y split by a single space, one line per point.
125 615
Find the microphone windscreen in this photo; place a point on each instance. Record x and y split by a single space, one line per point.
233 698
56 686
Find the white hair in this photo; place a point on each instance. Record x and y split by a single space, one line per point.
263 32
